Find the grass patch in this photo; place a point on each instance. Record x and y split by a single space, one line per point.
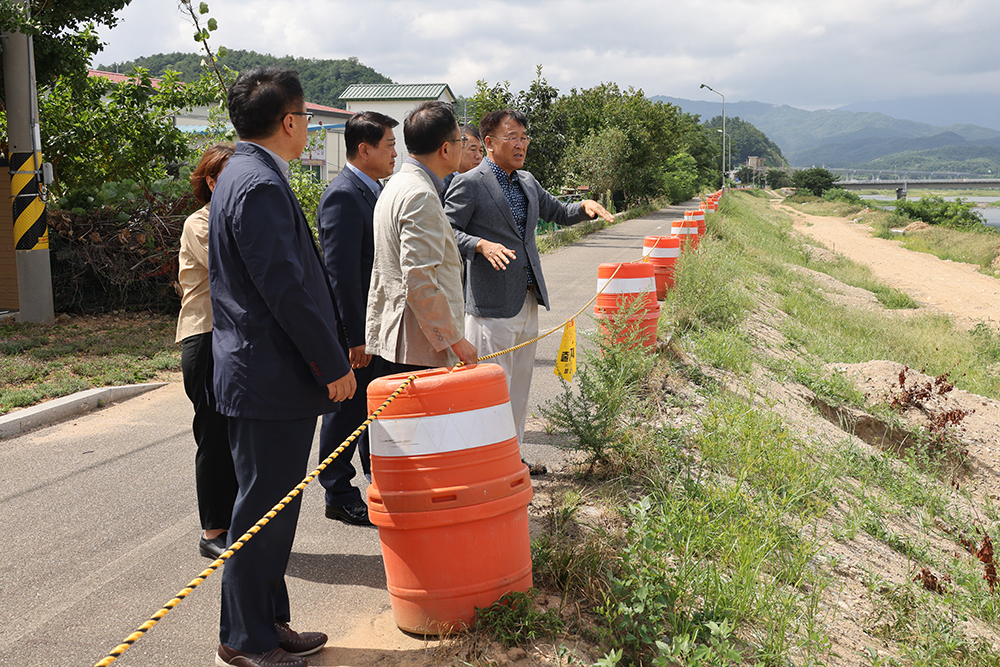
41 362
978 247
811 205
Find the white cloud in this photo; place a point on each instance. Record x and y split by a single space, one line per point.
800 52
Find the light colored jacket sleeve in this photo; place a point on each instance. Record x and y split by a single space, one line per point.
422 229
195 316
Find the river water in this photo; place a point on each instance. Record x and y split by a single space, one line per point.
991 214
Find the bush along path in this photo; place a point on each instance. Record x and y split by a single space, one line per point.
800 474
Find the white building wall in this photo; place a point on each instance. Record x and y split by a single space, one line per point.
396 109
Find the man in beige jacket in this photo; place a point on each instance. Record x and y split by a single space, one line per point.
415 316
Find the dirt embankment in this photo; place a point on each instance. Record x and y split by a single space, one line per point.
949 287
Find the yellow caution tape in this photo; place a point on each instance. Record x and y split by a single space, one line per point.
566 357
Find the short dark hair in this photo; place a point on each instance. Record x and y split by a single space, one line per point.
209 166
471 130
492 120
260 98
428 126
368 127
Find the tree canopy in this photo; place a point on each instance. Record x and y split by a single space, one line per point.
816 180
605 138
63 31
322 80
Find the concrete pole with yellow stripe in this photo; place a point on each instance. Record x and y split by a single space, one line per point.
31 239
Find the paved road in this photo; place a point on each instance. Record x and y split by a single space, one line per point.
98 524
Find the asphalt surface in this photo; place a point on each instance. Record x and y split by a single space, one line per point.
99 525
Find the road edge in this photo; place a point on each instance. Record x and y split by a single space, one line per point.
67 407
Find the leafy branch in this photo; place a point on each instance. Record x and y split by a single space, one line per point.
202 35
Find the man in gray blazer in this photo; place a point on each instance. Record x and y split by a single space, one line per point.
494 210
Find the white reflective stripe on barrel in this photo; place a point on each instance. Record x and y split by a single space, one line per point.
646 249
681 231
625 285
435 434
660 253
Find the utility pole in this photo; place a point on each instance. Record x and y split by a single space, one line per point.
723 131
31 239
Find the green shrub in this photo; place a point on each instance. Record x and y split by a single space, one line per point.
958 214
842 195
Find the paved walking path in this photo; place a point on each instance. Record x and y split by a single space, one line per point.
99 526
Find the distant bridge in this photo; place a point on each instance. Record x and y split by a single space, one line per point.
949 183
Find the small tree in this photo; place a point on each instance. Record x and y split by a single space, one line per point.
680 178
816 180
778 178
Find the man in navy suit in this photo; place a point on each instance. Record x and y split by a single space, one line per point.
279 360
345 232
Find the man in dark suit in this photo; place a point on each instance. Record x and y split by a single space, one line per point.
472 155
279 362
494 210
345 232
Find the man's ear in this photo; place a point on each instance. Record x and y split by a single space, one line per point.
363 151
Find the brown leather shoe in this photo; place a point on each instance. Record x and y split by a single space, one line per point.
299 643
276 657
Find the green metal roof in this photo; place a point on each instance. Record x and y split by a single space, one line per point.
394 91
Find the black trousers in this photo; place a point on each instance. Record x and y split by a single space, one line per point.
215 478
337 426
270 459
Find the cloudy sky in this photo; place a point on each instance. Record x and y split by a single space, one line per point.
812 54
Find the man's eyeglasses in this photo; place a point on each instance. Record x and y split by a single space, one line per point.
308 115
464 139
517 141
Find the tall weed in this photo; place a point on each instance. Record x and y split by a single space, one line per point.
600 416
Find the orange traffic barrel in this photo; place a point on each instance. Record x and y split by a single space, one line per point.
696 215
685 231
632 282
449 495
696 225
662 252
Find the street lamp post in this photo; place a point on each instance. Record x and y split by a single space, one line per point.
727 151
723 131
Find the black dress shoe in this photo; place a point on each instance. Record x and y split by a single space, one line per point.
299 644
356 515
214 547
535 469
276 657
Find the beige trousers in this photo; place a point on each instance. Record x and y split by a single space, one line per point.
493 334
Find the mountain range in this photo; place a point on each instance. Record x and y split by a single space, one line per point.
855 137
